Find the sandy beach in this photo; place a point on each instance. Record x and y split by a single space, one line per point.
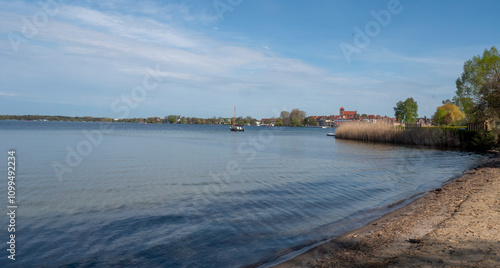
455 225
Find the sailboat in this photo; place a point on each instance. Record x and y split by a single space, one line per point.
235 127
330 133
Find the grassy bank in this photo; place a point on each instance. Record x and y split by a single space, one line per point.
426 136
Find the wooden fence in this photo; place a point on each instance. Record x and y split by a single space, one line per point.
482 125
470 126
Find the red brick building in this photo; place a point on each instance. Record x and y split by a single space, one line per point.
347 114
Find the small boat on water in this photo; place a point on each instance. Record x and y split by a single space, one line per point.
236 127
331 133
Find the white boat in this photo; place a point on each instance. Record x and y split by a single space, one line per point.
235 127
331 133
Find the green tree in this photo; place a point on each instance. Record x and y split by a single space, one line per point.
488 106
295 122
151 120
279 122
310 121
250 120
471 90
407 111
183 120
172 119
439 115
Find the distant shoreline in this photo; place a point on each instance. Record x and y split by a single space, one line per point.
137 121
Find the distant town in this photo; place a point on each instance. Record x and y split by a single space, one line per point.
335 120
294 118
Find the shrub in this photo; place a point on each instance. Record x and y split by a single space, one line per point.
485 140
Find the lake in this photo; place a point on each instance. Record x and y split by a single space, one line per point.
139 195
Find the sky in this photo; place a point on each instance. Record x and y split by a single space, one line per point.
200 58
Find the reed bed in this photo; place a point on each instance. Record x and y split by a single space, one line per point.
388 133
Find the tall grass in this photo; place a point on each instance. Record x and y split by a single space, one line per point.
387 133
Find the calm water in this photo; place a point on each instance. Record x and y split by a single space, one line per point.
199 196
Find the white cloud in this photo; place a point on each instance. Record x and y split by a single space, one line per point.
139 29
104 52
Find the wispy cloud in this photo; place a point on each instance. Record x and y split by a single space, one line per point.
138 29
94 51
7 94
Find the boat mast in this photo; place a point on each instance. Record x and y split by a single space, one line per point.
234 119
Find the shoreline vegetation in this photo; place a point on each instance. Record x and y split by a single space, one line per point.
454 225
295 118
436 137
151 120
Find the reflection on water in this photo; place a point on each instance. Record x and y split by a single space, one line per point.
187 195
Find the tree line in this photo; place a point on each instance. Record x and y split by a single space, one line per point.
172 119
477 97
295 118
177 119
478 88
55 118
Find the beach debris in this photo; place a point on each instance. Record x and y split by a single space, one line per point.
414 241
438 190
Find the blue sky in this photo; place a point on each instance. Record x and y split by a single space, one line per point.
200 58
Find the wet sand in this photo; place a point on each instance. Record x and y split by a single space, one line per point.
455 225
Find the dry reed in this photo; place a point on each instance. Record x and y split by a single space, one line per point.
387 133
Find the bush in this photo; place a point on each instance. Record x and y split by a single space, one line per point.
485 140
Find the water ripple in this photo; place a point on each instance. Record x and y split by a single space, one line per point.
158 195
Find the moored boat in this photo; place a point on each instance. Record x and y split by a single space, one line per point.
236 127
